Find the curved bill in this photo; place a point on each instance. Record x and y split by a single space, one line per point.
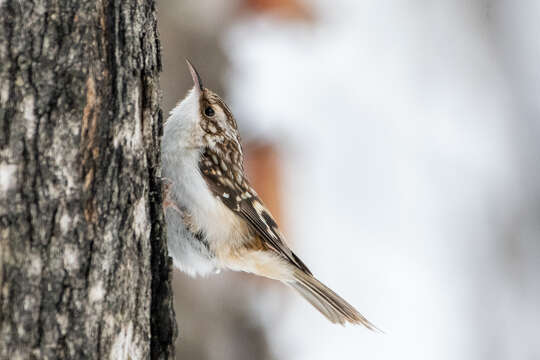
195 76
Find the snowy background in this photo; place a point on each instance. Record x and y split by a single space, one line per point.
407 134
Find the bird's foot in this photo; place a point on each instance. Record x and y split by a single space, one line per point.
167 202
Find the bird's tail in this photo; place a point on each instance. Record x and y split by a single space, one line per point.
330 304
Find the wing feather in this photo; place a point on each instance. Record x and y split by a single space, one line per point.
233 189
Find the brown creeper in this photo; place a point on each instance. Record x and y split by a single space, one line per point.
215 220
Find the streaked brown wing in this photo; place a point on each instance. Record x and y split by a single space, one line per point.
227 183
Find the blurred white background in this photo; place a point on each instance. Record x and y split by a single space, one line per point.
405 137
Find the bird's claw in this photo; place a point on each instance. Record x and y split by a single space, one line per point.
167 202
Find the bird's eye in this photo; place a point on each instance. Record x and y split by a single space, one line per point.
209 111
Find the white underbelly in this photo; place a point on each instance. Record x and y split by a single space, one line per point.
222 229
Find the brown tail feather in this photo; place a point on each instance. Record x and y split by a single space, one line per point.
330 304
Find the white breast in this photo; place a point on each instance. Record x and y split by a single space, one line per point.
180 157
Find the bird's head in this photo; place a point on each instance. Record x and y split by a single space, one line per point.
203 120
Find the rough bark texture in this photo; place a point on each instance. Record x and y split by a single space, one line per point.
84 271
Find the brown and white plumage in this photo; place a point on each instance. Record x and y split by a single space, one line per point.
216 219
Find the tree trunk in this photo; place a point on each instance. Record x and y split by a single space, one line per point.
84 271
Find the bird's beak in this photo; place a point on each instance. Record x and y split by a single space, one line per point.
195 76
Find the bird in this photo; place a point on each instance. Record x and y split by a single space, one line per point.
215 219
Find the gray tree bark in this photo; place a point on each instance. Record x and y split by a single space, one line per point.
84 271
